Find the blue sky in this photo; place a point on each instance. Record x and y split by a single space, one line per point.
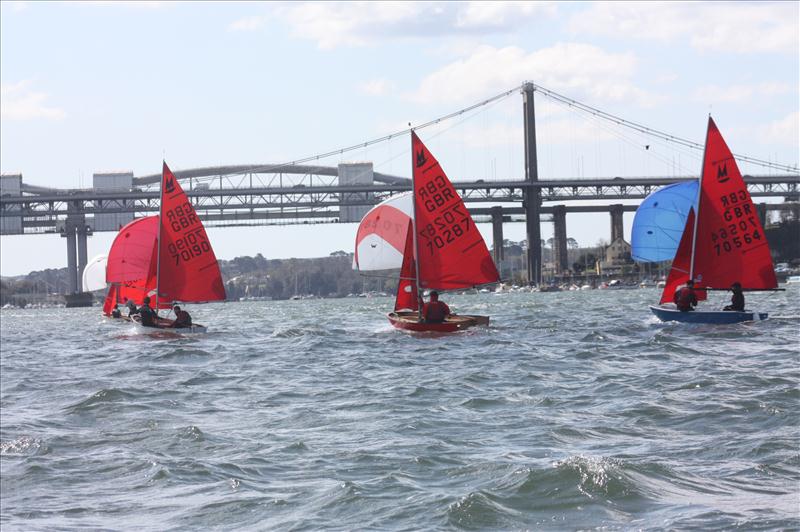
98 86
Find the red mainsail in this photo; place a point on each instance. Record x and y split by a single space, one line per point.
731 245
188 269
407 295
452 253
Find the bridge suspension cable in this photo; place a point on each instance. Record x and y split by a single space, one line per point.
650 131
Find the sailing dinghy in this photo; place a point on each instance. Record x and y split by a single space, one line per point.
168 258
723 241
429 234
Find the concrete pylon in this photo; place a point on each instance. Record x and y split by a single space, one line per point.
72 257
497 235
560 257
617 227
81 233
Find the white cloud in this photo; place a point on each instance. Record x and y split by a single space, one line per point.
738 93
785 131
376 87
564 66
18 102
252 23
737 27
333 24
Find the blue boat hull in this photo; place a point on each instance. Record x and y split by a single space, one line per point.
702 316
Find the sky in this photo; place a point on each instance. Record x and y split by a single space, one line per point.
102 86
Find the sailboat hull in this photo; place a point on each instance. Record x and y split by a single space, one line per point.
409 321
163 325
716 317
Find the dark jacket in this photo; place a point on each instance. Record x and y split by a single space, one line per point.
435 311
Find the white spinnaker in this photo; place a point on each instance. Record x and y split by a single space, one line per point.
381 235
94 274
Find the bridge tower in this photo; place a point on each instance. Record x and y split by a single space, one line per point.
617 227
531 197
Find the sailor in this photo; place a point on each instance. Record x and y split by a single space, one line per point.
148 315
737 299
182 318
115 313
132 310
685 298
435 311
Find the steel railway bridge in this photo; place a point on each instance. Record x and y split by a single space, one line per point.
269 194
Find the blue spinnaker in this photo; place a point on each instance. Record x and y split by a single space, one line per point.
660 220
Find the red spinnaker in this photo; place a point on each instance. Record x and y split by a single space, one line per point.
188 269
452 253
407 296
731 245
132 257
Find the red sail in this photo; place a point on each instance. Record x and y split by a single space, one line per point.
452 253
407 297
679 273
731 245
111 300
188 269
132 258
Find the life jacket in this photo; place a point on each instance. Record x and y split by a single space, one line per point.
435 311
684 298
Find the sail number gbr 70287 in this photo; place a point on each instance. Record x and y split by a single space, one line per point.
452 224
741 229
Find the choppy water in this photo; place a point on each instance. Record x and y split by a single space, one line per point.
573 410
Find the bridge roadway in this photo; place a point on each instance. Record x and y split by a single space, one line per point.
72 213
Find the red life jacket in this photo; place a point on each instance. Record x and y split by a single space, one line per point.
435 311
684 298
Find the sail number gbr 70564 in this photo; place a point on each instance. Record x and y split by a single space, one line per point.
741 228
452 224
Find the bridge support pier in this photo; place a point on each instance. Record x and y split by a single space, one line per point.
761 208
617 227
531 197
497 235
81 234
72 257
560 238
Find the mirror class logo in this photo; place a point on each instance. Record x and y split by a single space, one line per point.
421 160
722 173
169 185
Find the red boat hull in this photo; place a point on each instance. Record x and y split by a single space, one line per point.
409 321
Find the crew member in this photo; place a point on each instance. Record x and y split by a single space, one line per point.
116 312
685 298
148 315
182 318
737 299
435 311
132 310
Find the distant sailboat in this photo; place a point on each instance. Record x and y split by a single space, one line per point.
431 236
166 257
723 241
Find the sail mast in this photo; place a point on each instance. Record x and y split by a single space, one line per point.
697 203
158 239
416 257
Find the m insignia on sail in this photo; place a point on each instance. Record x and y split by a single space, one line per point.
421 160
722 173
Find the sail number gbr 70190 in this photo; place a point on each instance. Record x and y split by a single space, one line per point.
192 244
740 227
452 224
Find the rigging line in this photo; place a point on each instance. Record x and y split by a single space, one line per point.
384 138
650 131
622 136
455 124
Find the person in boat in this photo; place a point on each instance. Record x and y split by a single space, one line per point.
182 318
435 311
737 299
685 298
116 313
148 315
132 310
